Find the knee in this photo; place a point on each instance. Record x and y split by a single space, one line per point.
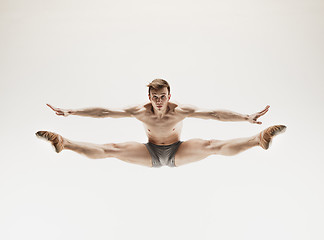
111 149
222 148
201 144
217 147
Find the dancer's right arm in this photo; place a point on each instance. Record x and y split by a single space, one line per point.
95 112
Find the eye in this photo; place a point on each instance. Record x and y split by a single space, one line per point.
163 97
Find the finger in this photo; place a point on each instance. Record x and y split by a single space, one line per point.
265 109
51 107
263 112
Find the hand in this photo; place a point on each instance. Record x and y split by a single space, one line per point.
254 117
60 112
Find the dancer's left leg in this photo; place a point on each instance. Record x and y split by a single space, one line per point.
198 149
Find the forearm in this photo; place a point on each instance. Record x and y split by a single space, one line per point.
90 112
229 116
222 115
98 113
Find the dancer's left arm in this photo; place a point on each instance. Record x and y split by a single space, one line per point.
224 115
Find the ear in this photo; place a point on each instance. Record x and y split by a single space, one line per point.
169 96
149 97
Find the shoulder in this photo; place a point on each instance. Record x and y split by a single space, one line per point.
136 110
185 109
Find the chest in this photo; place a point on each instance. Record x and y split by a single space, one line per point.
165 122
166 125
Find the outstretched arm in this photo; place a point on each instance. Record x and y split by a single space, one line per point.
224 115
95 112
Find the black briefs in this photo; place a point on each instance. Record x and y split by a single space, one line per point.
163 155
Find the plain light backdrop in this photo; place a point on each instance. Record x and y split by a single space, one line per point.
216 54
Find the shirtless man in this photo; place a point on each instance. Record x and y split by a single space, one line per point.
162 121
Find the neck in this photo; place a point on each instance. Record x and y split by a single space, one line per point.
161 113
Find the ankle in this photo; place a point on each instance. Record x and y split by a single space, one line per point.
256 139
66 143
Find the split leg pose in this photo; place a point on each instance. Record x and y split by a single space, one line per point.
189 151
163 123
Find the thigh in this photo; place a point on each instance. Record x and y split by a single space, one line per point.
193 150
132 152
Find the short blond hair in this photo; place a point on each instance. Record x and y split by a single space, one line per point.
158 84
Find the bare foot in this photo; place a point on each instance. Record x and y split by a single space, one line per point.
56 139
267 135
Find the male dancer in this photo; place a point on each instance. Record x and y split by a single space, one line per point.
163 123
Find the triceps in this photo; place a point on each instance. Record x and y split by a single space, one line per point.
215 115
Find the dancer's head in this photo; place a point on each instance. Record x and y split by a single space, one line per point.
159 94
158 84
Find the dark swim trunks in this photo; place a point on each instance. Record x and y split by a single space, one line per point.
163 155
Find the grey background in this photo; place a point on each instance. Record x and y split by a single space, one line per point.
236 55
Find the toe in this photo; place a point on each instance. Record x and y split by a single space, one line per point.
39 133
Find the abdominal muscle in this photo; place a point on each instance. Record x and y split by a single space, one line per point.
163 135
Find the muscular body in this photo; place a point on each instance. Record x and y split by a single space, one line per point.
162 121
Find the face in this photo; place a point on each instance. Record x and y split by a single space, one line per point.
160 99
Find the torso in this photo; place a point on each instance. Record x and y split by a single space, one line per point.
161 131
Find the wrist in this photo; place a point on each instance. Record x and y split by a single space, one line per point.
71 112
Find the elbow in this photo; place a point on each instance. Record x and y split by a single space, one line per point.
102 113
216 116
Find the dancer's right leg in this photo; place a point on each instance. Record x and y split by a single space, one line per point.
131 152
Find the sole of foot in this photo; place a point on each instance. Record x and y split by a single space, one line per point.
267 135
54 138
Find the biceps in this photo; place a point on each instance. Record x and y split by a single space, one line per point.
203 114
119 114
